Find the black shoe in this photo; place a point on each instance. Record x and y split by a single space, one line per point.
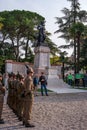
20 118
2 121
23 123
29 125
47 95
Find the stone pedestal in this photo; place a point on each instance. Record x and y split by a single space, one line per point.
42 59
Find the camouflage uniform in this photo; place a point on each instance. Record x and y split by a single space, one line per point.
20 90
28 99
9 98
16 96
2 92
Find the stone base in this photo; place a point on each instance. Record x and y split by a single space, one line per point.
39 70
42 59
53 77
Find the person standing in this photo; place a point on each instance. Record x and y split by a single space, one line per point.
28 98
43 82
70 78
35 82
85 79
77 79
2 93
9 97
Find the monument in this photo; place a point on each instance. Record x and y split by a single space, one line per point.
42 51
42 60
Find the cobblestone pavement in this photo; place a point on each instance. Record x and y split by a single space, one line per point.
53 112
11 120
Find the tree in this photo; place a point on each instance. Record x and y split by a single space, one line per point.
18 28
77 30
63 59
71 16
84 54
1 25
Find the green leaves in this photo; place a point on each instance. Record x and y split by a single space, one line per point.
18 29
77 28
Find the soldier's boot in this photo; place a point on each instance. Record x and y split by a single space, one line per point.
2 121
29 125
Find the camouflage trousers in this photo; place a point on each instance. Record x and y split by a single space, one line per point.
20 107
1 104
27 110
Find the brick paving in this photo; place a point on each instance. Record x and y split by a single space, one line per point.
11 120
54 112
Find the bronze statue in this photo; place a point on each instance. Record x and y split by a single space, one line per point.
41 34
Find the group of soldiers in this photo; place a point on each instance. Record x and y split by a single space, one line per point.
2 93
20 96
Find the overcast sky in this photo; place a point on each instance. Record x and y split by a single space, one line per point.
47 8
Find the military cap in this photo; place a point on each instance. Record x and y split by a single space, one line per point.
30 70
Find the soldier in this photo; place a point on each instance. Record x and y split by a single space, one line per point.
13 91
28 99
10 91
2 92
20 90
16 94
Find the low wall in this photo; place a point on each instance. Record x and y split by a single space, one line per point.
12 66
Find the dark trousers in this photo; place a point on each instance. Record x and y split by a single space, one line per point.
77 82
85 83
43 87
70 81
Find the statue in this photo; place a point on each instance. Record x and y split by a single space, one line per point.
41 34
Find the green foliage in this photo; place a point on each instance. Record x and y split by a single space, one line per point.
19 29
72 29
2 64
54 60
73 18
83 55
39 90
1 25
77 28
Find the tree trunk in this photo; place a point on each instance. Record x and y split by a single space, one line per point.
17 50
78 52
75 55
63 70
26 49
75 68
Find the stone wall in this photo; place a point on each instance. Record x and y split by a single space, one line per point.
12 66
54 71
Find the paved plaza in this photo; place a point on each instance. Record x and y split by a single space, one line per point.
58 111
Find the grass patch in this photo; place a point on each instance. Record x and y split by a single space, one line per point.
79 87
39 90
82 88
